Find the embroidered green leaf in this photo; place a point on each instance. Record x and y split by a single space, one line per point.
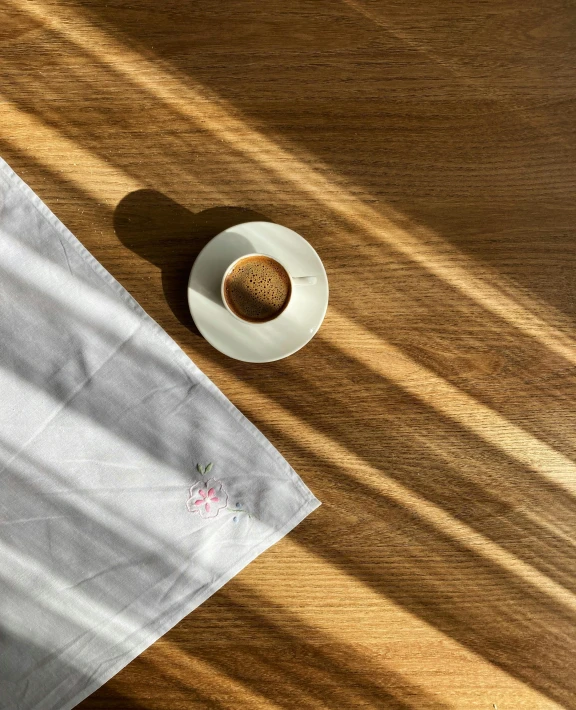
208 468
200 468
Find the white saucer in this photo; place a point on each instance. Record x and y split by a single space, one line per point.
257 342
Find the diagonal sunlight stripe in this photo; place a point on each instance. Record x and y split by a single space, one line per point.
282 419
213 114
170 660
445 688
176 663
398 623
390 362
56 597
460 71
106 311
109 184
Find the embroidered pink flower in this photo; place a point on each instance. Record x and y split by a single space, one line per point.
207 498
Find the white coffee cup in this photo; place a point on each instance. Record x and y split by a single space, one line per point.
295 281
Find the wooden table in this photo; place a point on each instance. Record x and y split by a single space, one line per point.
427 151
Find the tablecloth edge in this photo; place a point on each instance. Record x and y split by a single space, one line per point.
177 352
308 507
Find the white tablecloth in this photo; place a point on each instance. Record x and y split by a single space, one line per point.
131 489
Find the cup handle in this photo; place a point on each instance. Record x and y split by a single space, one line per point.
304 280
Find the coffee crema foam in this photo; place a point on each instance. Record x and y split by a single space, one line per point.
257 289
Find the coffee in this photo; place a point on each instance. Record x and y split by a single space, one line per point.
257 289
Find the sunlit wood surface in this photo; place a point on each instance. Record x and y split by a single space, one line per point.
427 151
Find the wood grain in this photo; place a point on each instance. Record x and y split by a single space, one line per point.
427 150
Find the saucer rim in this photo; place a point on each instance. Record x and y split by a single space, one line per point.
276 321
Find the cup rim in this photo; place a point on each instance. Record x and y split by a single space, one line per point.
223 291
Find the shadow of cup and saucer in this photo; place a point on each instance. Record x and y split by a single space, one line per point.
170 236
192 261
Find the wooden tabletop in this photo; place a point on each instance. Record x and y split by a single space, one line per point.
427 152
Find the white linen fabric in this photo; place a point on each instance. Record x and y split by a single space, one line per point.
131 489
